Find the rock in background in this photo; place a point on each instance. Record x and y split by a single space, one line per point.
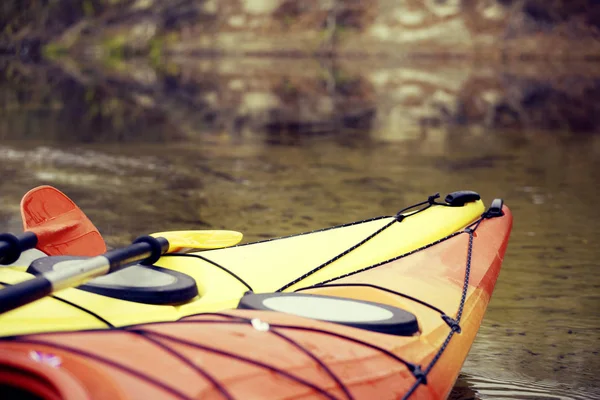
393 28
290 69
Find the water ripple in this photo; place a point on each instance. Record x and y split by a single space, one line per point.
483 387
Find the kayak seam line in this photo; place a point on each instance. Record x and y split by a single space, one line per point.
316 230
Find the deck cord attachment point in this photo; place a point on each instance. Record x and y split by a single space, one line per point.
495 209
452 323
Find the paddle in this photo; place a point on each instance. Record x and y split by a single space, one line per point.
60 226
51 216
195 240
12 246
146 249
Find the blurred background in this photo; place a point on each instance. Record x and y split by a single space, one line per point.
274 117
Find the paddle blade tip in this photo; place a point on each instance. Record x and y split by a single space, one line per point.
61 226
201 239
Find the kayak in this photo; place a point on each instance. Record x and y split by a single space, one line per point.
384 308
184 284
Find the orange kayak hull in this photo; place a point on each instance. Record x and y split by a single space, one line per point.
254 354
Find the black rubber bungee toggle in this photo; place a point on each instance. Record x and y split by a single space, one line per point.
431 199
462 197
495 209
452 323
419 374
430 202
156 246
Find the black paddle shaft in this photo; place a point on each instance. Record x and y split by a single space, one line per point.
145 250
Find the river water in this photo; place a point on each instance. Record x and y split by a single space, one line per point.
274 147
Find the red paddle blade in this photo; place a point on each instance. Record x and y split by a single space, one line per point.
61 227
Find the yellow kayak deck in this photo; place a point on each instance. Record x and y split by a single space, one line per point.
224 275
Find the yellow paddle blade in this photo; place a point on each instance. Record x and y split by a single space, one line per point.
200 239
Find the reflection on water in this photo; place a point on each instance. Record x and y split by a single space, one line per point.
277 146
285 100
514 387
